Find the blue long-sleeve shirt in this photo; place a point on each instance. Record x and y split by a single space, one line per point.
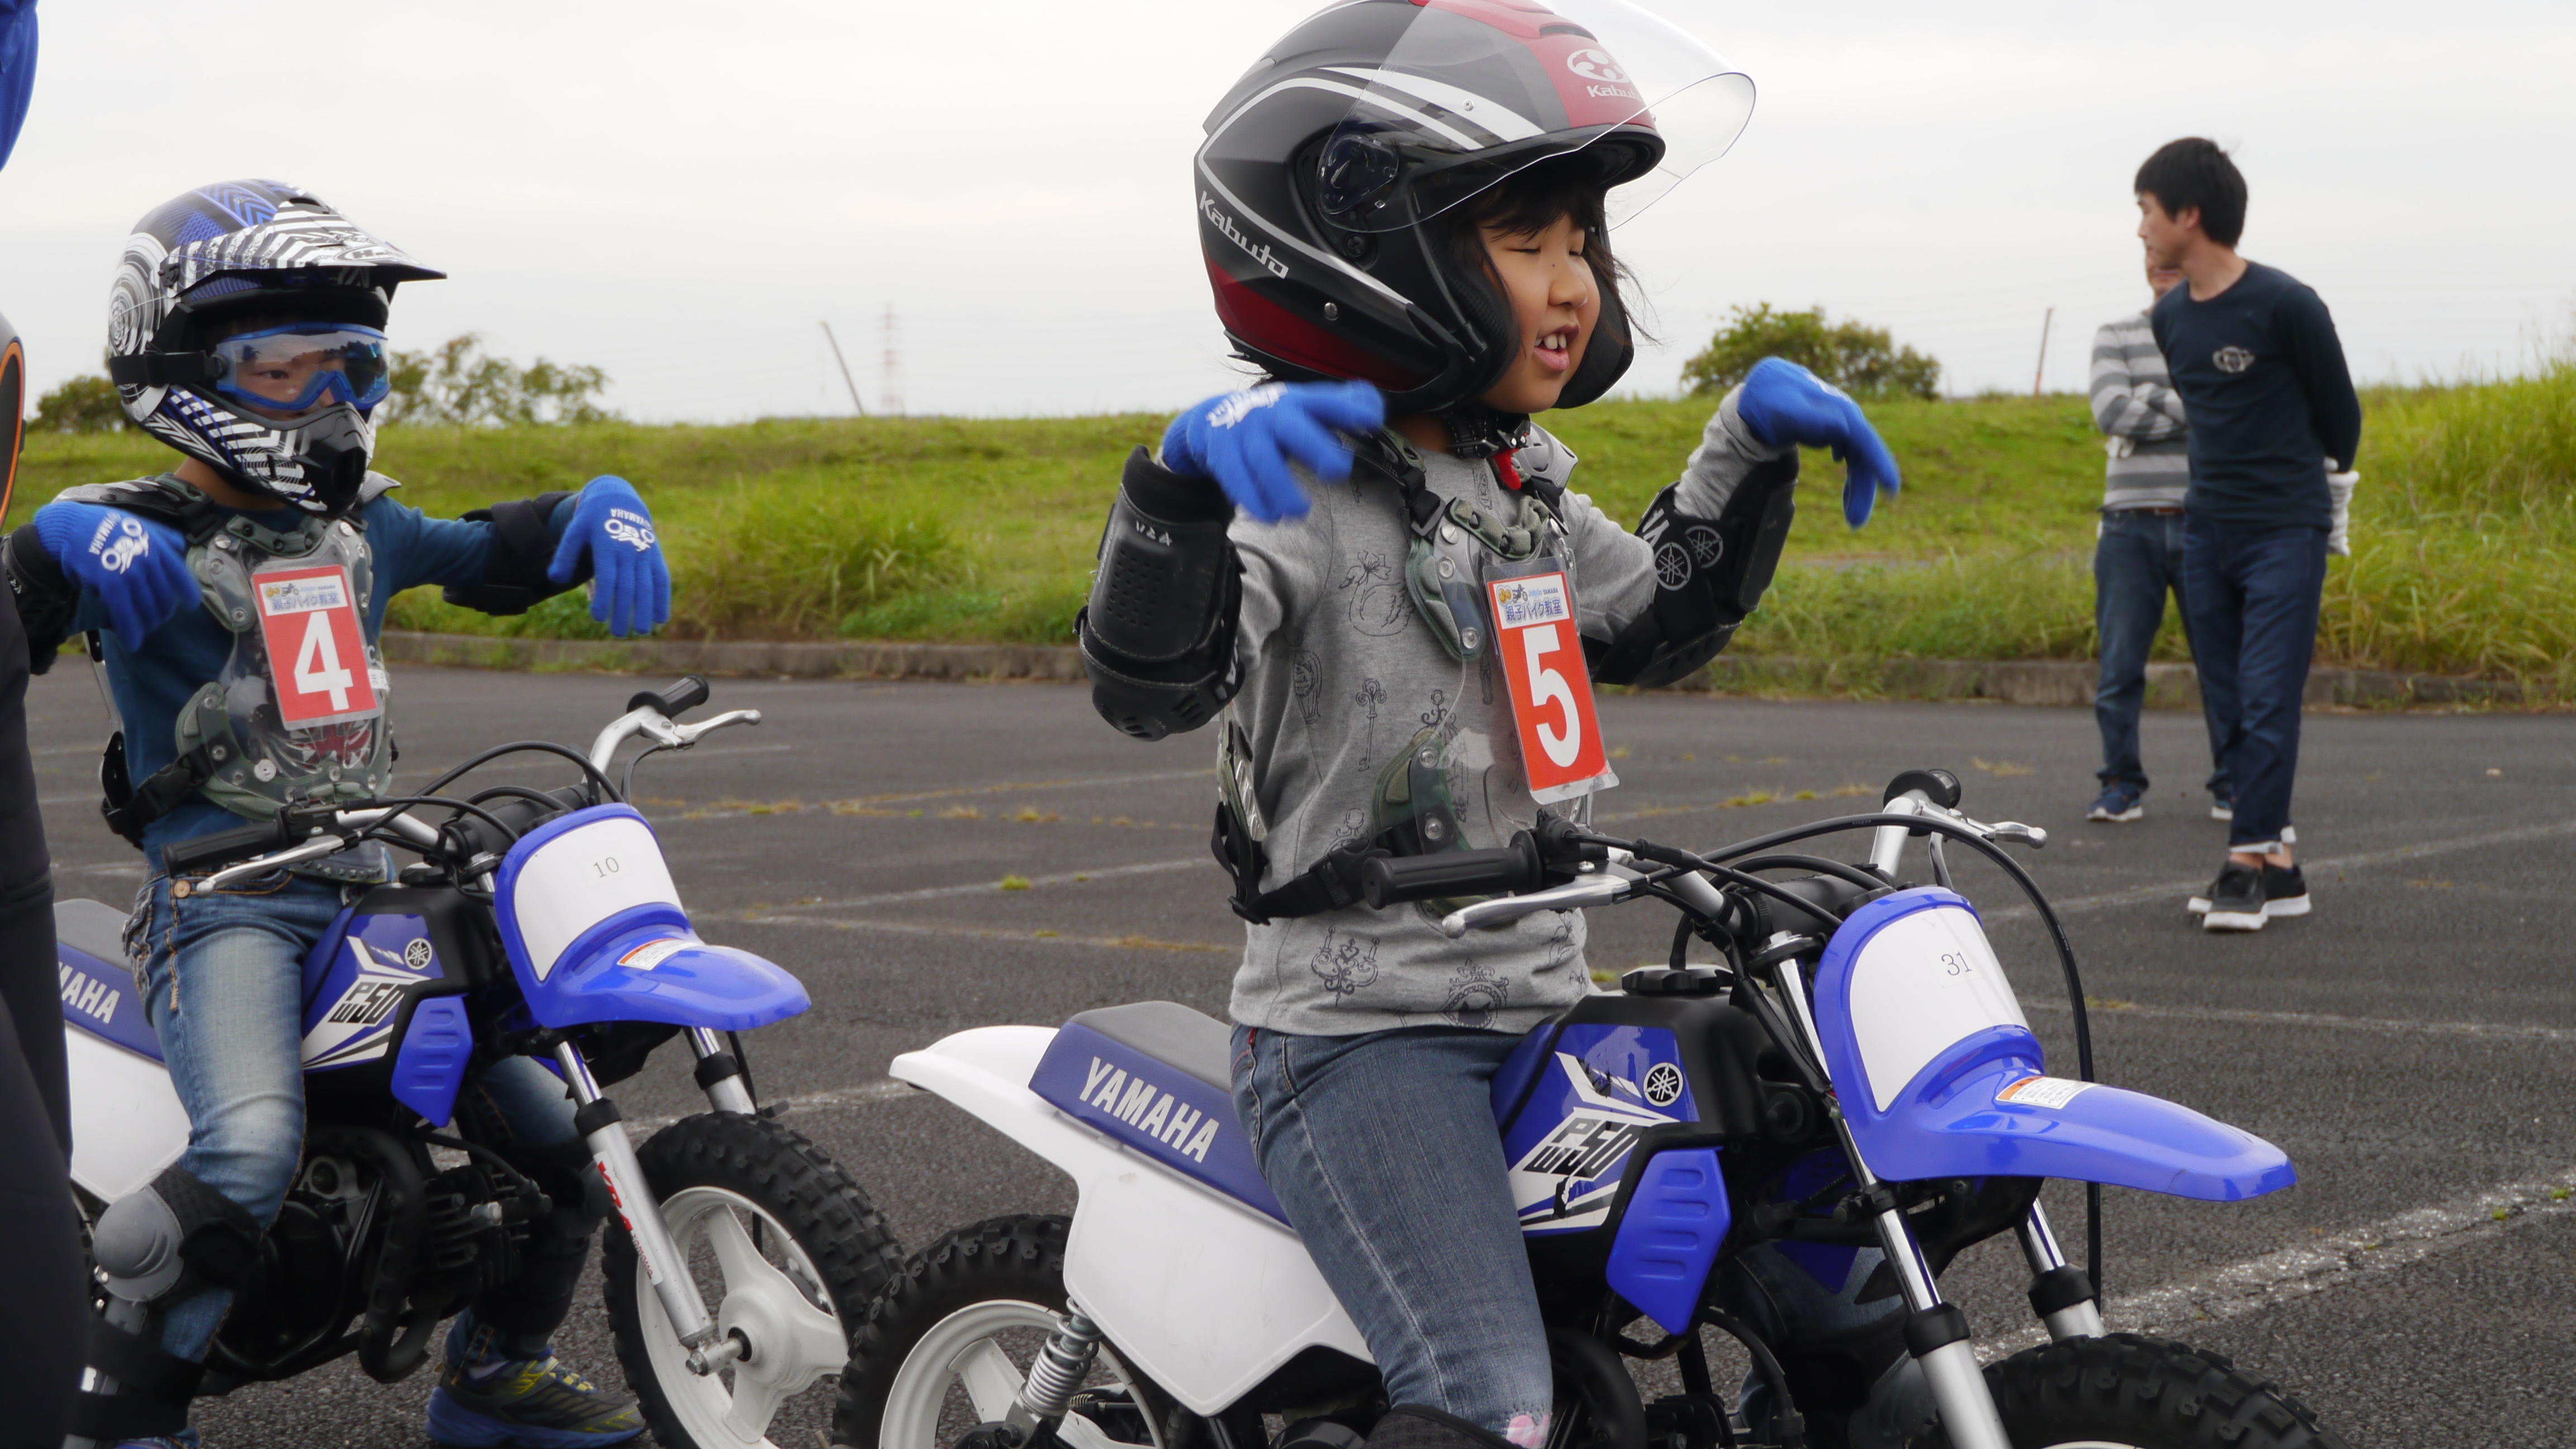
2262 375
151 684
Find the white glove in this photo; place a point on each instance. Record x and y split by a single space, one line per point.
2339 533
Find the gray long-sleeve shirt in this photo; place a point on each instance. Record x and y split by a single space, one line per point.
2135 405
1340 671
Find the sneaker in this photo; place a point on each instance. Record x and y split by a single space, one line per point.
485 1399
2120 803
184 1439
2235 900
2285 893
2221 807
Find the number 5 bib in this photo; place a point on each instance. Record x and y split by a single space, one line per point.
1551 691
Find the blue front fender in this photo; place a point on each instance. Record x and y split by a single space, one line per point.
2090 1133
660 971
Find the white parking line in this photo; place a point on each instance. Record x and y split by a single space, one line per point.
2169 890
932 893
2397 1026
2330 1262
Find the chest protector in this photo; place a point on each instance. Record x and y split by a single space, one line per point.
1413 807
232 744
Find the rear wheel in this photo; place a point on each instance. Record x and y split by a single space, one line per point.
2125 1391
785 1249
948 1346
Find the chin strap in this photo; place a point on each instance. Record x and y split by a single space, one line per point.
1477 431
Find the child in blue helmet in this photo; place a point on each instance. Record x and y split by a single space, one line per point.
246 331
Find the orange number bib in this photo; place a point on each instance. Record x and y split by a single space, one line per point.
1560 735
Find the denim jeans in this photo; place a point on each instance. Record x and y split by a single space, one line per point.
1384 1151
2137 561
222 979
2253 600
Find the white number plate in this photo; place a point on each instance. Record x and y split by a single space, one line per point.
1923 983
581 878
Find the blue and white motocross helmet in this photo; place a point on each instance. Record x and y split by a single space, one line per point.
246 327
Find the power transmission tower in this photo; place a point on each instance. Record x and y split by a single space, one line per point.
855 405
2045 323
892 399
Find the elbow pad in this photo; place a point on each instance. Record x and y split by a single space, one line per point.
523 545
1709 573
46 599
1158 634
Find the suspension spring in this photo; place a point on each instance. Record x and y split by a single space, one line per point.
1060 1368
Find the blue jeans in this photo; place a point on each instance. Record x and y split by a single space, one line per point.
1384 1151
2137 561
2253 601
223 979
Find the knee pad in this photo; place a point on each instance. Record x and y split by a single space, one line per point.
149 1241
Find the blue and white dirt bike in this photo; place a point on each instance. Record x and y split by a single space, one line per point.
1858 1073
535 923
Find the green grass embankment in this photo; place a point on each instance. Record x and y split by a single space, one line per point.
2464 529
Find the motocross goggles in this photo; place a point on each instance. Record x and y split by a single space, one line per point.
299 367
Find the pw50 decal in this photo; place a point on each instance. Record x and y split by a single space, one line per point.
1564 1181
358 1024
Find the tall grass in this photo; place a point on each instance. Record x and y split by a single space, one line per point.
2464 528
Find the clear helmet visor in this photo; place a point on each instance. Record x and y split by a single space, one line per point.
1474 91
282 371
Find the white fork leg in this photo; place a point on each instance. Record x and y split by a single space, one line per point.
2063 1297
615 1157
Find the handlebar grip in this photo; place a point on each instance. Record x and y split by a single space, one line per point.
1939 786
690 691
223 847
1392 880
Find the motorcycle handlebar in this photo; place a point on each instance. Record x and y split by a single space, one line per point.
223 847
1392 880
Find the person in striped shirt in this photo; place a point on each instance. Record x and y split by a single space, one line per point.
2138 557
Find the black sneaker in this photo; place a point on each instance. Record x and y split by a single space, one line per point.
2235 900
2285 893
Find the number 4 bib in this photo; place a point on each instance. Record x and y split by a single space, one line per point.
317 651
1560 735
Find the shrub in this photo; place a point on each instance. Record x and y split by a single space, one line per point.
1862 360
86 404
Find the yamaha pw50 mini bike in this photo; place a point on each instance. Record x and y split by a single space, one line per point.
534 923
1857 1073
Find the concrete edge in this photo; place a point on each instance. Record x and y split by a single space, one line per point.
2065 682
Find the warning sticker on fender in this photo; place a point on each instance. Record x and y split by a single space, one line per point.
2043 1092
652 954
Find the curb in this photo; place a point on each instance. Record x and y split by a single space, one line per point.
2062 682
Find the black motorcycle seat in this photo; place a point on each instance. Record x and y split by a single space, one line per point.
1170 1033
93 927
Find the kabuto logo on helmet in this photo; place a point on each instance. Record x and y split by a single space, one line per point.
195 269
1596 65
1224 223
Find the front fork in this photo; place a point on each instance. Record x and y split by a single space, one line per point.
1936 1332
603 1131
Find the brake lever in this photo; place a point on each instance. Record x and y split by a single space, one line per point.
690 734
313 849
2008 832
1592 890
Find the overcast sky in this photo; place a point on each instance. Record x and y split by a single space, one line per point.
681 193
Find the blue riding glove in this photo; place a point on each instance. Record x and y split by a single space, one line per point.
630 584
138 568
1784 403
1244 441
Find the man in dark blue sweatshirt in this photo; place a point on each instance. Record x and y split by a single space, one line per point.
2274 425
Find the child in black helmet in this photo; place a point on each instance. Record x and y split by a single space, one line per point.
1403 210
246 331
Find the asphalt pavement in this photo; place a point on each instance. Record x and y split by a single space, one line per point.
931 857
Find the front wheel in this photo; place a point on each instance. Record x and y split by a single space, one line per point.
786 1250
949 1345
2125 1391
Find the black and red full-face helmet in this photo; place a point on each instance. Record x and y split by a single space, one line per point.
1326 163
